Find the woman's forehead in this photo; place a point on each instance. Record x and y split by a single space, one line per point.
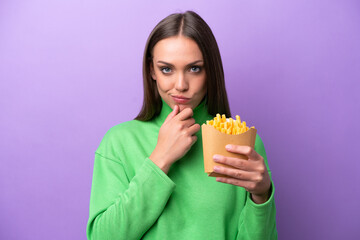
177 48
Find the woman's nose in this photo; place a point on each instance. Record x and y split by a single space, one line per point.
181 83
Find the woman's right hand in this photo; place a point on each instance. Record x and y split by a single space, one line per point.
176 136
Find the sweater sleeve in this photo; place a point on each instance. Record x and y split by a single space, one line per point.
258 221
125 209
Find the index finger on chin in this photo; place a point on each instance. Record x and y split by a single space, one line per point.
185 114
171 115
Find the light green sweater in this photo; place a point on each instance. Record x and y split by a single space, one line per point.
131 198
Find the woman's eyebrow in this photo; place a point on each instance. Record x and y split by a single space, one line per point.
166 63
169 64
193 63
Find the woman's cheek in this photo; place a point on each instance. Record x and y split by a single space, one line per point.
165 86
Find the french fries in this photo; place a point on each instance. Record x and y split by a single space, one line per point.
228 125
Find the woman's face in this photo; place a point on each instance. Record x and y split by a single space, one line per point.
178 69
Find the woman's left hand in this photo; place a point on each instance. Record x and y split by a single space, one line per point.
250 174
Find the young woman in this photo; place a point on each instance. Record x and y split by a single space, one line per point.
149 180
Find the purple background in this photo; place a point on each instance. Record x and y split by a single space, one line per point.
70 70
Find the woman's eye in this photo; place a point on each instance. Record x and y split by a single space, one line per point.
165 69
195 69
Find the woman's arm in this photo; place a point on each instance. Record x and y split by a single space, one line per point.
258 217
122 208
258 221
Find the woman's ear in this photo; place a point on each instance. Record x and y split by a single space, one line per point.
152 71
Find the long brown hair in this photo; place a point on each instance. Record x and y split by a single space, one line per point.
191 25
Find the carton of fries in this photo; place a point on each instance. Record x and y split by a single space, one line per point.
215 138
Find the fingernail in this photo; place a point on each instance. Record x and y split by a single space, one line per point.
228 147
216 168
216 157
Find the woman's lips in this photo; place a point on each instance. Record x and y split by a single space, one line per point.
180 99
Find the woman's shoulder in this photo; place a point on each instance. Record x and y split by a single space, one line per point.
259 147
126 128
121 135
258 141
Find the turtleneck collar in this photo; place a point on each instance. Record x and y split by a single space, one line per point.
200 113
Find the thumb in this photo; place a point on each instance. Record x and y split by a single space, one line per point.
174 112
